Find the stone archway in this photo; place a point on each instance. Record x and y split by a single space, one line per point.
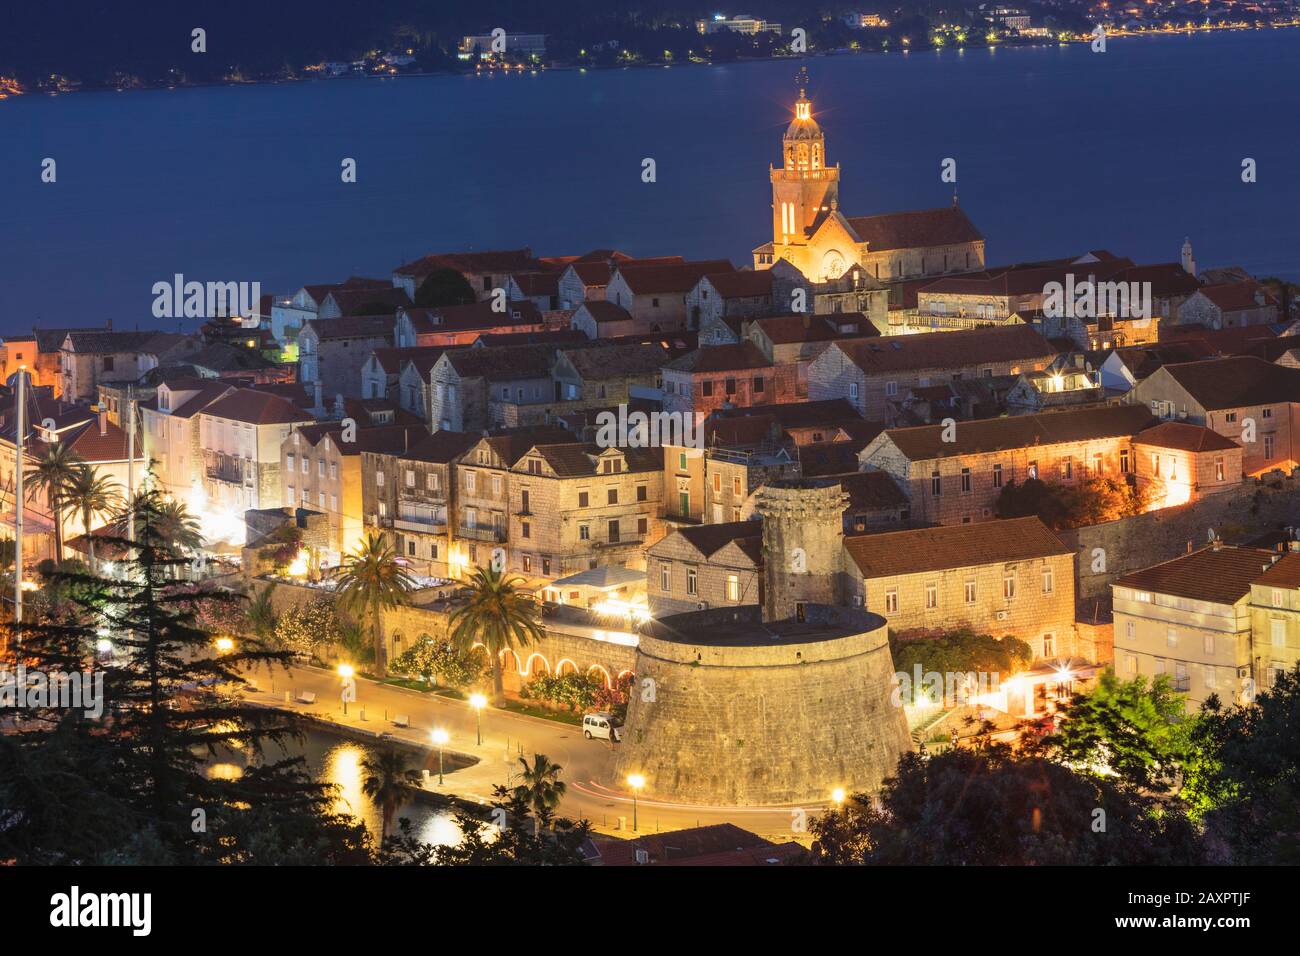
604 674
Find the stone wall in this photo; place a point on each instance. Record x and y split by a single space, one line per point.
1105 552
764 723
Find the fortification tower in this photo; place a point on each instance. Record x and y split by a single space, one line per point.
769 706
803 544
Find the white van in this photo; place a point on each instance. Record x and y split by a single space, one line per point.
602 725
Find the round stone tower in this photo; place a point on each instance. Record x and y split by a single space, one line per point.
729 710
803 544
769 705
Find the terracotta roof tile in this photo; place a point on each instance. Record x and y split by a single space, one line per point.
256 407
926 442
954 546
946 350
1237 382
1184 436
1221 575
918 229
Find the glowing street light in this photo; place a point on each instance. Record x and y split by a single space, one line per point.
348 676
838 796
225 645
478 702
636 781
440 737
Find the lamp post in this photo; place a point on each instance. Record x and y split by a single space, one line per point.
636 781
349 685
478 702
440 737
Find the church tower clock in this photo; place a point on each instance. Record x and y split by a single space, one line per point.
804 189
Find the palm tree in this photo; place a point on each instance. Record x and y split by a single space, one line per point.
541 788
259 614
53 475
498 616
91 494
385 777
172 525
372 580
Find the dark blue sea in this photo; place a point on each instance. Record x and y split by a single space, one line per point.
1058 149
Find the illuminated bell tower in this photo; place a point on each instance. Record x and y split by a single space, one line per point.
804 188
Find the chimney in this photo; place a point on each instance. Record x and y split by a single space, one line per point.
316 389
103 421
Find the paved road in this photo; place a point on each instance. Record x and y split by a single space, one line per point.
587 764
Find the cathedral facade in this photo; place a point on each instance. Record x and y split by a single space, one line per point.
810 232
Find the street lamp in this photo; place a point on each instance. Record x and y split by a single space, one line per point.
346 673
225 645
440 737
838 796
636 781
478 702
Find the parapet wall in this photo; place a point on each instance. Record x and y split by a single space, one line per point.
1106 552
771 720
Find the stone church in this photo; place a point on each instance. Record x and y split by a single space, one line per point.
811 233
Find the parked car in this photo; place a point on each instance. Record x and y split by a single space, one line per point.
603 725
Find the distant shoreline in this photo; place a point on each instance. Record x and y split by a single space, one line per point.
1030 43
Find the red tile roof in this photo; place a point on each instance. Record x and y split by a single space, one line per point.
1236 296
1184 436
721 358
1221 575
949 350
1285 573
915 230
953 546
926 442
257 407
741 283
802 327
493 261
1237 382
649 278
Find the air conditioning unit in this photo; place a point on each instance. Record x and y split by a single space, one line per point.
702 605
857 600
1002 615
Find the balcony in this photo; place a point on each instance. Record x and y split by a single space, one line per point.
224 468
482 532
412 516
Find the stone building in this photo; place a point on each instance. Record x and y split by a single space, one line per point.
870 374
953 474
169 428
240 437
89 358
608 375
575 506
599 319
657 295
1243 398
1229 305
484 271
323 471
770 704
1190 618
724 297
1182 462
1010 577
810 232
720 376
467 384
1275 619
414 503
791 342
334 351
463 324
714 565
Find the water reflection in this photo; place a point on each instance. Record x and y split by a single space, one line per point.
337 760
